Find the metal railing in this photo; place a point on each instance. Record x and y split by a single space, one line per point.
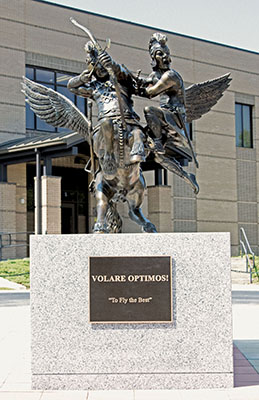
247 251
10 240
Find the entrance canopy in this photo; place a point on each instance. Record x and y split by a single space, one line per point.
54 145
47 146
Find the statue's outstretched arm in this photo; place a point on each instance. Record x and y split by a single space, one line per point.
168 80
80 84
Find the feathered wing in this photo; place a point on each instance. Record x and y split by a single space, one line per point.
54 108
200 97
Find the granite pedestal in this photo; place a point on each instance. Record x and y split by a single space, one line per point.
194 351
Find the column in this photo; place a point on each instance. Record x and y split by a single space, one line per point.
7 215
159 207
17 175
51 204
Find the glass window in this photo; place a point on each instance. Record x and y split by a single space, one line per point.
238 117
57 81
43 126
80 103
243 119
62 79
66 92
30 123
43 75
29 73
247 133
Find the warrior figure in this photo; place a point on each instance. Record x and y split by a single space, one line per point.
102 90
168 120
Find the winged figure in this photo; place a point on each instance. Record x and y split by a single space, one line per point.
166 124
119 141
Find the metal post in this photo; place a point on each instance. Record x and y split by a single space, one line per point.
1 244
158 177
38 193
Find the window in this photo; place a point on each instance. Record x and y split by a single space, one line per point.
55 80
244 137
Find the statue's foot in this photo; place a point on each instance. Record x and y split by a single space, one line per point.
137 153
100 228
159 148
149 228
109 166
194 183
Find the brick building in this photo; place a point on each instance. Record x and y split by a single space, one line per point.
38 40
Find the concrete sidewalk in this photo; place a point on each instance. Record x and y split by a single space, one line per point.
15 374
250 393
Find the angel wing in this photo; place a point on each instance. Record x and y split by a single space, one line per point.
200 97
54 108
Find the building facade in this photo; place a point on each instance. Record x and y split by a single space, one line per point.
38 40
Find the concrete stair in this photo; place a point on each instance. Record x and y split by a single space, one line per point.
238 271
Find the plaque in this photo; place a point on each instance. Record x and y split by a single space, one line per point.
130 289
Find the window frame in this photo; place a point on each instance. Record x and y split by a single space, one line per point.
241 116
56 85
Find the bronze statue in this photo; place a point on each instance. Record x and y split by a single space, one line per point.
118 141
178 106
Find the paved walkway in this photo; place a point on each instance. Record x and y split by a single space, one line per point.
250 393
5 284
238 271
15 374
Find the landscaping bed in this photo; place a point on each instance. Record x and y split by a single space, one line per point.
17 271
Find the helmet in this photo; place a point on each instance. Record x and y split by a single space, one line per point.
91 55
157 42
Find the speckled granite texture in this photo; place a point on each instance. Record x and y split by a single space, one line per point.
195 351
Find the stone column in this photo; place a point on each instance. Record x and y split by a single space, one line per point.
7 215
159 207
17 175
51 204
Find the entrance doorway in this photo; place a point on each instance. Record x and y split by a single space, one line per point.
68 218
74 198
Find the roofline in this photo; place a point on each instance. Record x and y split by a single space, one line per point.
147 26
41 143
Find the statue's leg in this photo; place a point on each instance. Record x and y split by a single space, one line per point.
175 167
135 198
137 153
103 194
108 162
155 119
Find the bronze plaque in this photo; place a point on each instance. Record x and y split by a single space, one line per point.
130 289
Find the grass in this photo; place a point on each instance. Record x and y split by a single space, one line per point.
256 273
14 267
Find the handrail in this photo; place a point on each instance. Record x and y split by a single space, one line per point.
246 253
12 242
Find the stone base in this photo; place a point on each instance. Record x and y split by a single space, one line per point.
194 351
131 381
